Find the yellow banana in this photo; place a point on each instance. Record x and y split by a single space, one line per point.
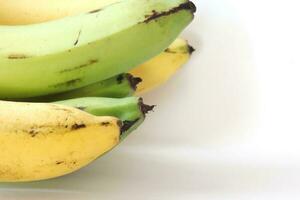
161 68
14 12
41 141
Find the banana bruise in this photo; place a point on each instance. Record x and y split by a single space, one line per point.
42 141
76 51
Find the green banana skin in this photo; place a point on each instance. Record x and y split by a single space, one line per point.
124 108
131 110
76 51
119 86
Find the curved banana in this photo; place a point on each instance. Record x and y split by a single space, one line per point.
76 51
41 141
161 68
148 76
15 12
119 86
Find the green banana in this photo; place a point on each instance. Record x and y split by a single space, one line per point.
119 86
76 51
130 110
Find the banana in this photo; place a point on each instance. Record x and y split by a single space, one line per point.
14 12
57 139
131 110
148 76
76 51
161 68
42 141
119 86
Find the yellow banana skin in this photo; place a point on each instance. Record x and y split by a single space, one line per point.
42 141
161 68
21 12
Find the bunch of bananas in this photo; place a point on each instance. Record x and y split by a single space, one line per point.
71 72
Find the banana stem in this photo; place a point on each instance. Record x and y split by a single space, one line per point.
131 110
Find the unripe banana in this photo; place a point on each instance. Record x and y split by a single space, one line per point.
119 86
131 110
41 141
76 51
148 76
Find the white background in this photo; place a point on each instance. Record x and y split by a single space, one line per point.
226 126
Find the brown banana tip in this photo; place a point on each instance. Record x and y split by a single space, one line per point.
120 124
133 81
145 108
189 6
126 125
191 49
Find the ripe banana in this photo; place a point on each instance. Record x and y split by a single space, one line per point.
76 51
119 86
131 110
162 67
41 141
14 12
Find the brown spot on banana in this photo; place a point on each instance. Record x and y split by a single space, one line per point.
120 78
155 15
59 162
95 11
69 83
77 126
69 164
17 56
168 50
105 124
77 40
33 132
90 62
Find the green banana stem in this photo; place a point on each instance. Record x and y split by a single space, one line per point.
130 110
